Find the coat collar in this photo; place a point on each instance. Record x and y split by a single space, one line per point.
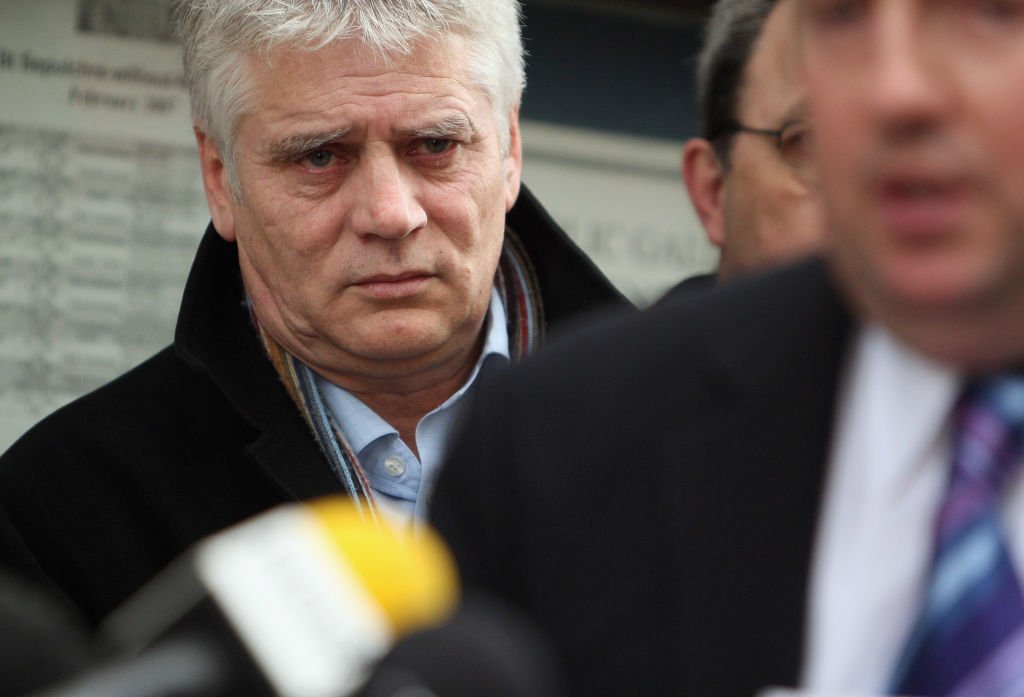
569 280
216 336
750 480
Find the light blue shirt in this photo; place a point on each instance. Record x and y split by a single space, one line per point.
401 483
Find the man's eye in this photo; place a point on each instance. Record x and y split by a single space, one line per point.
319 159
436 146
834 12
1001 9
795 141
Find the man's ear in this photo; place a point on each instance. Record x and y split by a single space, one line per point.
705 181
216 185
514 160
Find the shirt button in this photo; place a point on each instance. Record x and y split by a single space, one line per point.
394 466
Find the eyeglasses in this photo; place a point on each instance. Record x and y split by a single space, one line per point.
793 141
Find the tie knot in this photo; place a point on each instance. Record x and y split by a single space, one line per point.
989 429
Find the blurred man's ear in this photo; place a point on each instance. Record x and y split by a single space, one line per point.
216 185
514 160
705 181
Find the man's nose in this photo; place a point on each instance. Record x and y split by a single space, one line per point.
384 200
910 86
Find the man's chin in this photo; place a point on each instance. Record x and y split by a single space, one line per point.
927 282
399 342
405 346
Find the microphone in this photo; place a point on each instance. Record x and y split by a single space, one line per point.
40 643
484 649
300 601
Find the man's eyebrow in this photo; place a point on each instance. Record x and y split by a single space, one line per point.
293 146
456 124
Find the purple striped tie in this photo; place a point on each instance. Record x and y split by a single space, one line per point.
969 640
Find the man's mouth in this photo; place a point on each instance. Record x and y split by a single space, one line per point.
393 286
921 208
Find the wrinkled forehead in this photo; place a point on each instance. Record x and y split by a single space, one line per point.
347 90
438 64
442 55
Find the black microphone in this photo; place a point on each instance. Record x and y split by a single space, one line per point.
41 642
485 650
298 602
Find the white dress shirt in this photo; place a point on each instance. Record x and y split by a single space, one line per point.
887 475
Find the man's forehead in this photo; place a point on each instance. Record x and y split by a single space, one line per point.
778 41
443 58
773 85
300 82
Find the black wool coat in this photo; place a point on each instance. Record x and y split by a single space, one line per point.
647 491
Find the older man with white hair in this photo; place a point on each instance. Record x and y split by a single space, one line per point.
370 254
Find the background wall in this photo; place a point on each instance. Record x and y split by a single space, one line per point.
100 199
608 104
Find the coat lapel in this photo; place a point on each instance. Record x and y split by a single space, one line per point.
215 335
744 497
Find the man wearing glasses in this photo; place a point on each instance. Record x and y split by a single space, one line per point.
748 174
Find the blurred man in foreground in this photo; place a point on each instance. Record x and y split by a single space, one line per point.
809 478
371 254
750 175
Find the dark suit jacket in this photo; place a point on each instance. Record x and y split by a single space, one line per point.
102 494
648 490
690 285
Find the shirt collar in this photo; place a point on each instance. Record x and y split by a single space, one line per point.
897 396
361 425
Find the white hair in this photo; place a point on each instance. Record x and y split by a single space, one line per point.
219 36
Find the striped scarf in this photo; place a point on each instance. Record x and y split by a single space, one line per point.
516 282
